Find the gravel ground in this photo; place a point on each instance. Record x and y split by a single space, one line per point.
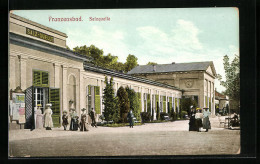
171 138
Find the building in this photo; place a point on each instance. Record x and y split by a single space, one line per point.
197 79
43 71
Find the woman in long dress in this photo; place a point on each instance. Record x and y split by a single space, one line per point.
39 116
48 124
65 120
73 123
198 122
206 122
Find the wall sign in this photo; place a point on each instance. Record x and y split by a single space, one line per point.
40 35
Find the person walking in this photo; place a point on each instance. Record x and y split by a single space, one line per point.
206 122
73 123
192 123
130 117
48 124
39 116
83 120
93 119
65 120
198 117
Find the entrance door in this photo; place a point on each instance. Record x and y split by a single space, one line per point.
40 97
55 101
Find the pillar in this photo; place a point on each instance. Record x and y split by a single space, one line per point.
64 88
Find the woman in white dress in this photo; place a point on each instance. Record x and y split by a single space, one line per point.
48 124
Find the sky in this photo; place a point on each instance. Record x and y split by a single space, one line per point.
163 36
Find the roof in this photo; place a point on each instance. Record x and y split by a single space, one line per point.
15 38
220 96
176 67
90 67
38 25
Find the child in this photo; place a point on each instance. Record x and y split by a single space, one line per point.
65 119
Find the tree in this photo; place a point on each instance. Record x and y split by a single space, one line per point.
131 62
109 100
186 103
123 103
232 74
151 63
134 103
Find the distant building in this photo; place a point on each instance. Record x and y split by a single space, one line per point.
197 79
221 101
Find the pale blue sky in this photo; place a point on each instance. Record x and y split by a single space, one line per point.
157 35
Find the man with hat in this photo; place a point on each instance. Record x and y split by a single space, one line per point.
65 119
83 120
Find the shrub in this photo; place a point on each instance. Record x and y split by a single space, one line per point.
162 114
145 116
183 113
173 116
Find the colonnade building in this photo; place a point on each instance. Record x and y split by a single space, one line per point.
41 68
197 79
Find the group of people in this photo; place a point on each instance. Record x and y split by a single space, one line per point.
75 124
199 120
72 119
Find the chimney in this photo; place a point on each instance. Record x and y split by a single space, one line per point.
173 62
154 68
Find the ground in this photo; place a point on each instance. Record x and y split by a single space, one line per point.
170 138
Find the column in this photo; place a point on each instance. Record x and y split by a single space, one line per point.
142 99
82 91
56 75
12 75
64 88
159 93
23 74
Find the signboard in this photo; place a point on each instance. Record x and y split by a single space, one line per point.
40 35
17 106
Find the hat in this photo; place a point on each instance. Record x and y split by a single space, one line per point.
198 109
49 104
65 111
72 109
39 105
83 109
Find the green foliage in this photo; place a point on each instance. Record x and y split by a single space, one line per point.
146 116
164 103
232 74
173 115
131 62
162 114
134 103
109 100
186 103
123 102
151 63
183 113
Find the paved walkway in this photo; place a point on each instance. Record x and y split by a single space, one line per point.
181 125
170 138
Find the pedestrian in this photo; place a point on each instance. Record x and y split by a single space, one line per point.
83 120
198 121
192 123
39 116
93 119
73 124
48 124
206 122
65 120
130 117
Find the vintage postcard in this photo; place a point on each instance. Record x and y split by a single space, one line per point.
124 82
